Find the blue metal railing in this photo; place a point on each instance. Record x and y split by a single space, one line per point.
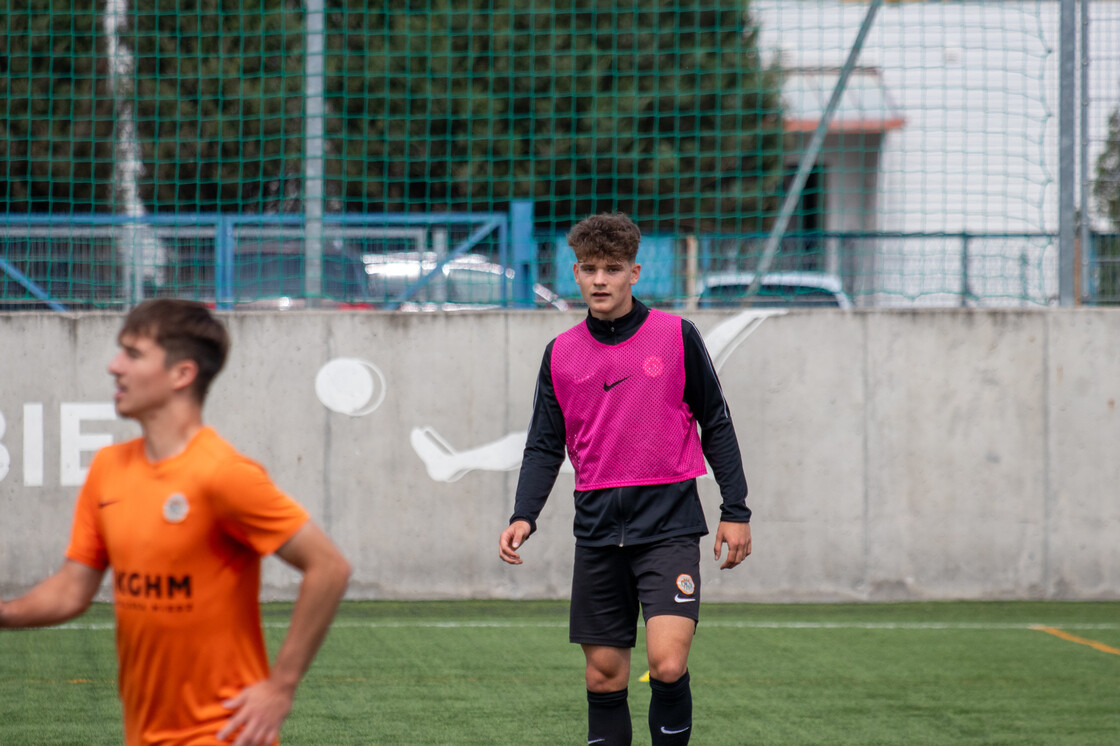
507 231
971 266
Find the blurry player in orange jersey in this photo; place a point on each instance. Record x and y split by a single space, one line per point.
183 519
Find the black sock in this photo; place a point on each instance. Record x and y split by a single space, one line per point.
608 719
670 712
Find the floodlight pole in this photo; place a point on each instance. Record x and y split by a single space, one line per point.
809 157
1081 263
1067 119
313 153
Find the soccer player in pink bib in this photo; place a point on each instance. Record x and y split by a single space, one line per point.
623 392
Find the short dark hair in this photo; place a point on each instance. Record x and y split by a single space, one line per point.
606 235
186 330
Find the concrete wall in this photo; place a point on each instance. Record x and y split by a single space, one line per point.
891 455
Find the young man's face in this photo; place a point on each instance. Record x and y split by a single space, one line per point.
605 285
144 381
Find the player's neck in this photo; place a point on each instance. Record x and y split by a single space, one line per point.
168 430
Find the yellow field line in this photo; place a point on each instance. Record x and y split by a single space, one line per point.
1079 640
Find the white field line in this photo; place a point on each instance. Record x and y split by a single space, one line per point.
716 624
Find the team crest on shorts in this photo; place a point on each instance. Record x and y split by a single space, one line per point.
176 507
684 582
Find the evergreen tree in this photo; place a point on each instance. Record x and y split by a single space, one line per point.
219 98
56 126
1106 188
661 109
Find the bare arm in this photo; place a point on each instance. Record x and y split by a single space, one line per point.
62 596
262 707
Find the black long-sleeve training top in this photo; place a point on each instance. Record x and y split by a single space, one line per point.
644 513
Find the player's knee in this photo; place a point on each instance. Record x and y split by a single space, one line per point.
668 668
606 678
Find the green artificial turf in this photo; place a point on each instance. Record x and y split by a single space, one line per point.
497 672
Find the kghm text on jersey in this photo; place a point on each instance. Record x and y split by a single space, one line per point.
143 585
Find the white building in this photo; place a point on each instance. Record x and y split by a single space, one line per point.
949 129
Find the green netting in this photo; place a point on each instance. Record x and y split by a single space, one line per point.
1100 235
153 147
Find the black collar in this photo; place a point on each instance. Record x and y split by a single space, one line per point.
621 329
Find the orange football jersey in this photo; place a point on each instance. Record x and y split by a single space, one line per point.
184 538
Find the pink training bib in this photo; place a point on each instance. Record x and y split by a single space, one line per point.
624 410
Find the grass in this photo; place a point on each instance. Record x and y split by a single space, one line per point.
503 672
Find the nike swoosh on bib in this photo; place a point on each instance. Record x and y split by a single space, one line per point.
609 386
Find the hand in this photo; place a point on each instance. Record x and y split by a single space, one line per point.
511 539
737 537
261 709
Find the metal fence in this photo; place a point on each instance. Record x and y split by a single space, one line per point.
920 153
1099 151
394 260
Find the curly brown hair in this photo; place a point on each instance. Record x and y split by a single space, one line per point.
607 236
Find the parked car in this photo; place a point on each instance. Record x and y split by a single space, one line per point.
777 290
465 282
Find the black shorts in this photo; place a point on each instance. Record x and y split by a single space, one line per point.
609 584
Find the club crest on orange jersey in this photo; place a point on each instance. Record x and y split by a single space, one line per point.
176 507
685 584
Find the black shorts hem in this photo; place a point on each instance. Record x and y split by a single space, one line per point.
694 616
603 641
